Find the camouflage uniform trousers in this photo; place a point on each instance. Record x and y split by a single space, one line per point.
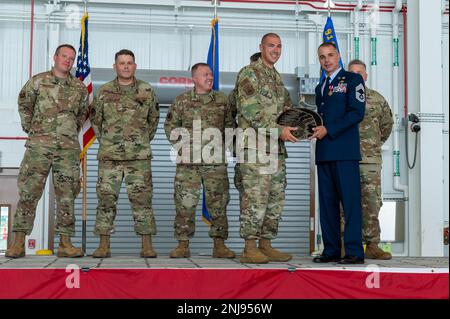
262 200
34 169
138 182
370 202
188 181
238 180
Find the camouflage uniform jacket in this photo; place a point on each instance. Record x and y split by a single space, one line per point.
261 98
52 111
125 121
375 128
213 111
232 98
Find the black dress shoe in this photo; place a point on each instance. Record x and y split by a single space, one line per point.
351 260
325 259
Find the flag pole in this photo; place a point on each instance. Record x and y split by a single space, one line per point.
83 215
215 3
84 204
213 64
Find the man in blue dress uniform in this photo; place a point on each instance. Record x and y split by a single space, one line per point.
340 100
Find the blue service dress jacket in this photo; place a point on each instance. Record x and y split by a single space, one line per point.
341 110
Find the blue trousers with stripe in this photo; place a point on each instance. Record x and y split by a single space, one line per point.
339 182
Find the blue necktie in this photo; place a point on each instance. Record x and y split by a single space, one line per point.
326 88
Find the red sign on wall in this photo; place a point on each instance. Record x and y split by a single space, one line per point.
176 80
31 243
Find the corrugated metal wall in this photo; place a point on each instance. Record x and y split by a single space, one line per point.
293 231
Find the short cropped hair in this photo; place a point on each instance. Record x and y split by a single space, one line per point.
356 62
327 44
255 57
271 34
196 66
124 52
65 46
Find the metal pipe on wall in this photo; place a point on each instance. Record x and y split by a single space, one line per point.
52 32
30 73
374 20
114 22
356 13
405 62
281 5
232 22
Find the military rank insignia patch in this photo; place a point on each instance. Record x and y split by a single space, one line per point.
360 93
248 87
141 98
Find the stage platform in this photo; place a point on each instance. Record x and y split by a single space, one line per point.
203 277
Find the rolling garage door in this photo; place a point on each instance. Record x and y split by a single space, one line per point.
293 235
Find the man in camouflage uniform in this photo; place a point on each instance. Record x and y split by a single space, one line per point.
210 107
125 116
232 97
52 106
261 99
374 130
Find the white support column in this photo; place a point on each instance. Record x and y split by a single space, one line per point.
412 47
425 96
431 152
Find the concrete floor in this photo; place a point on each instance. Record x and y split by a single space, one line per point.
420 264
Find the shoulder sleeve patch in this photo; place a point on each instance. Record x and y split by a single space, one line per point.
247 87
360 93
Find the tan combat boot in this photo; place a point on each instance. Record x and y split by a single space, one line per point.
147 248
182 250
220 250
66 249
252 255
17 248
103 250
274 255
375 252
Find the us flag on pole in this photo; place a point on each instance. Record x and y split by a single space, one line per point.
83 72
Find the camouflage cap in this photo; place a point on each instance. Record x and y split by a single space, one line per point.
304 119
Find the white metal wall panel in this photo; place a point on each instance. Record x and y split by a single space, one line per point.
445 100
14 49
293 233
